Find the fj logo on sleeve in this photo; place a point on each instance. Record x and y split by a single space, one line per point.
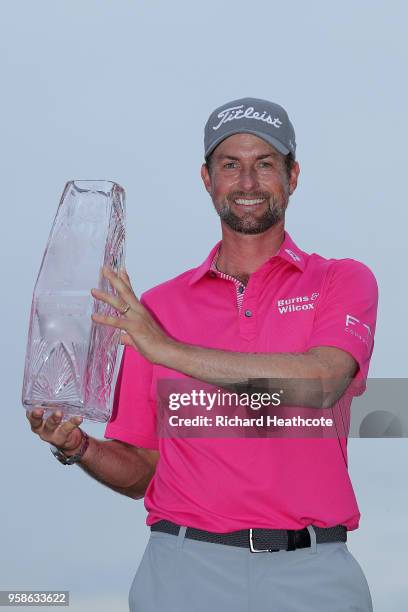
357 328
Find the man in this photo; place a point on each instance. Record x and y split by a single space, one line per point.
258 308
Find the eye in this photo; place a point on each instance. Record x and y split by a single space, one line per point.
265 164
229 164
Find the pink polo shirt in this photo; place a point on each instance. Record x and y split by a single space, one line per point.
293 302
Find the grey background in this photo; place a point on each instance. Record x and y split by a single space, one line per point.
121 90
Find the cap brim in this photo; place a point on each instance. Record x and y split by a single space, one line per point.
269 139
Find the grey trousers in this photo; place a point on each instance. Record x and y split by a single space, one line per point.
177 574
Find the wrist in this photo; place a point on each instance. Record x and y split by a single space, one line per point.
73 456
73 450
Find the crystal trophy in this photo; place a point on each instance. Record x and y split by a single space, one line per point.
71 361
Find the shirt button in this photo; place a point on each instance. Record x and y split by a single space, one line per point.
241 288
248 313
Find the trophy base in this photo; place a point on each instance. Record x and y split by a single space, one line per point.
68 410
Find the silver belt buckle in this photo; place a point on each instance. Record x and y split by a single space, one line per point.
258 550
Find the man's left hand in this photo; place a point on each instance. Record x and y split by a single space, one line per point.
141 330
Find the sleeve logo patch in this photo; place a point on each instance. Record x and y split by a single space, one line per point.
358 329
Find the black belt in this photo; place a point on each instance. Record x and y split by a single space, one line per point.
259 540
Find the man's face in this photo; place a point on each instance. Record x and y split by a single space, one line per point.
249 184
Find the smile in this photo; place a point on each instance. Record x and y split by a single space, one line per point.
244 202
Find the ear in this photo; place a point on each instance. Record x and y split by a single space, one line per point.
205 175
294 174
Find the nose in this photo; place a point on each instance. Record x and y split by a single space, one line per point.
248 180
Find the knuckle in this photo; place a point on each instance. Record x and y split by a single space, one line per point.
35 427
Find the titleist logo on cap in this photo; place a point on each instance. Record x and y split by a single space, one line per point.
236 112
262 118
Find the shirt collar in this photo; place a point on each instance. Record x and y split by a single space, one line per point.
205 266
288 251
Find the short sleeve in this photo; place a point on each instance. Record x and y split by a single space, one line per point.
133 417
346 312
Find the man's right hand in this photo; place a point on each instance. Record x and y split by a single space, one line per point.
123 467
65 436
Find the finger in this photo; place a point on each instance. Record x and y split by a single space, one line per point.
35 413
70 425
125 277
115 301
109 298
126 292
35 418
126 340
120 323
52 422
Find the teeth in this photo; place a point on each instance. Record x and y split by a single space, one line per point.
248 202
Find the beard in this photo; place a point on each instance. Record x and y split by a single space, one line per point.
249 223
